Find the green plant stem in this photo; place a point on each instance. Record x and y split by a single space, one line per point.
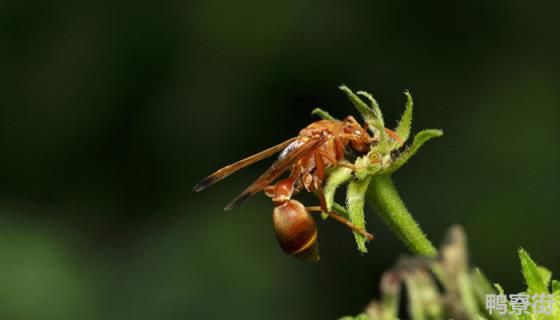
385 199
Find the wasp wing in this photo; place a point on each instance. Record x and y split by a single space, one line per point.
277 169
227 170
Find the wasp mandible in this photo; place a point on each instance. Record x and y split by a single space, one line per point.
319 146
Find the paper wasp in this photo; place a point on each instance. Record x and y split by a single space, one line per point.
320 145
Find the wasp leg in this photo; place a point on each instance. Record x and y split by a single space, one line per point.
340 219
328 157
319 165
347 165
339 148
337 163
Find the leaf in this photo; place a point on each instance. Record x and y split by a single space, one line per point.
546 275
403 128
355 199
556 286
416 307
390 294
322 114
429 294
361 316
367 113
481 282
481 286
336 178
530 270
420 138
499 288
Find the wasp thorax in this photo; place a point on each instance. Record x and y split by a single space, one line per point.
296 231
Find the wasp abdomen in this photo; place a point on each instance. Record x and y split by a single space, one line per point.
296 231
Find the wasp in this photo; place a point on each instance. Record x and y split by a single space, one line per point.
319 146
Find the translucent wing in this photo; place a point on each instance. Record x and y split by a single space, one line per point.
277 169
227 170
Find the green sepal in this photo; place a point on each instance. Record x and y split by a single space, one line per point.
405 124
420 138
340 210
322 114
374 106
367 113
355 199
337 177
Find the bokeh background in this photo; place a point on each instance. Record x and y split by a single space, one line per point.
111 112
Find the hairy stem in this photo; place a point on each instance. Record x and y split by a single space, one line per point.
385 199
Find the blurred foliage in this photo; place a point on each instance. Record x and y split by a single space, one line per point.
108 116
465 292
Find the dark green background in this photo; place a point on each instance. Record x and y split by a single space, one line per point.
111 112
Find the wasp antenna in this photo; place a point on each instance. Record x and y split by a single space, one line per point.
204 183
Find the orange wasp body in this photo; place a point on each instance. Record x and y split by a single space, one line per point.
320 145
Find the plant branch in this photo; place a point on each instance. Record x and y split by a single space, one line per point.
385 199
